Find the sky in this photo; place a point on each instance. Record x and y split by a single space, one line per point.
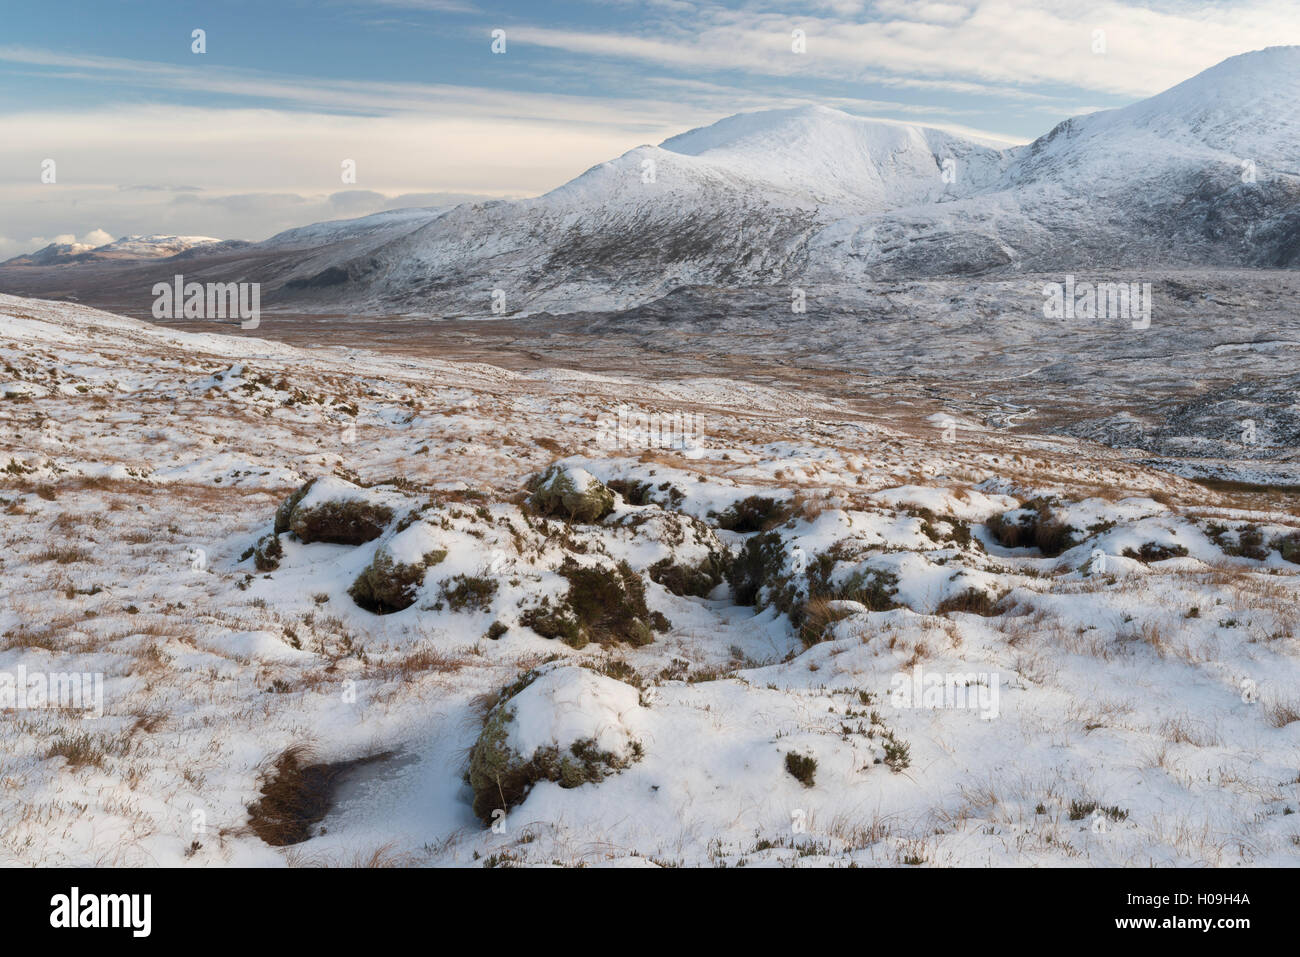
251 135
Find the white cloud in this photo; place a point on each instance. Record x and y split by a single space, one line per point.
983 44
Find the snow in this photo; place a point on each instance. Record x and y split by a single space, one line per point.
572 704
1160 689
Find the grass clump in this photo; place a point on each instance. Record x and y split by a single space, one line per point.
698 580
802 767
818 615
973 601
79 750
1081 809
386 586
469 593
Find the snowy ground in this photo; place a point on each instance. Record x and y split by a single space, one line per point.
1101 708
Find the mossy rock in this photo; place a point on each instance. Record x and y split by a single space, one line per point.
386 586
572 494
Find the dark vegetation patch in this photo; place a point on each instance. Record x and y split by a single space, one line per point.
1081 809
645 493
469 593
266 554
1229 485
802 767
1153 552
603 604
346 522
1289 547
1037 528
756 513
973 601
759 562
1249 543
698 579
385 586
757 577
284 514
339 522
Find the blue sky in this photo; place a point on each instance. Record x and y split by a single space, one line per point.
247 138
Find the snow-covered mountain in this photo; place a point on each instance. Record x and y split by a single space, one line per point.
1202 174
126 248
735 202
380 226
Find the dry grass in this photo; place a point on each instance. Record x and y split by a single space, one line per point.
34 636
79 750
63 554
1282 713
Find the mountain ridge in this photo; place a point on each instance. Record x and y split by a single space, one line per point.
1202 174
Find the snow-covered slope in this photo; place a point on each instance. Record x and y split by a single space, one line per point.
817 636
384 225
